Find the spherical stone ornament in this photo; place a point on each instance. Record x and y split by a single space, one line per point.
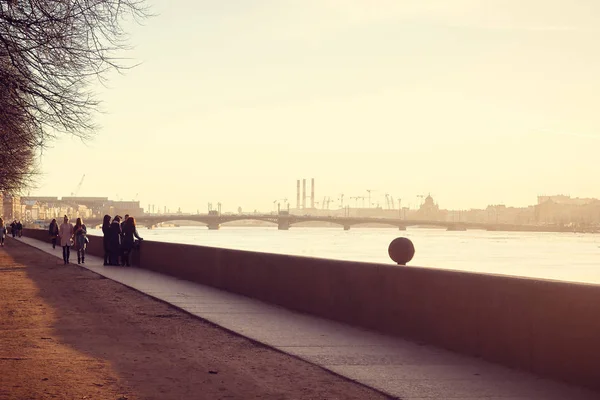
401 250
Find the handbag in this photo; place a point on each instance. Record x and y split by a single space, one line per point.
86 239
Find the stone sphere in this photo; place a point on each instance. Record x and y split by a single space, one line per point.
401 250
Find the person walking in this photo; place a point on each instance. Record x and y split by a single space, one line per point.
66 236
53 232
129 234
106 239
80 233
2 232
19 228
13 228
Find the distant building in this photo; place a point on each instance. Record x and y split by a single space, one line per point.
501 214
11 207
45 208
565 211
41 199
562 199
430 211
124 207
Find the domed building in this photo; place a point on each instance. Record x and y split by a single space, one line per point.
429 210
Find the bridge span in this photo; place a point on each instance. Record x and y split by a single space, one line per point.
285 221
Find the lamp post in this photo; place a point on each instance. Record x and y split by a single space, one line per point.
400 207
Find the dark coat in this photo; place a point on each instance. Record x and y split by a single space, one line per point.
106 238
80 237
129 232
53 229
115 237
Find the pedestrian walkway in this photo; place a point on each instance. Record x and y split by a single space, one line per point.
398 367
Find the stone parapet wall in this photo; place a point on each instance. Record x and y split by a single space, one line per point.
550 328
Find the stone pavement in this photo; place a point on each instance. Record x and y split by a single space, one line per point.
401 368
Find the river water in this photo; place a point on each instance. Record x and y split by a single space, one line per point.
561 256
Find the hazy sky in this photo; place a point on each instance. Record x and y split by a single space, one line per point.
473 101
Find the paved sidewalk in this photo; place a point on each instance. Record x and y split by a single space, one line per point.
398 367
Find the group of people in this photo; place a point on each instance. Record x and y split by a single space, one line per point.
69 235
16 229
119 239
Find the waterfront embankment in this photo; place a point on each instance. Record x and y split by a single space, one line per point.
402 368
69 333
545 327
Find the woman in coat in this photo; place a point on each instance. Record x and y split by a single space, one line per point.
80 232
114 242
129 235
106 238
53 232
66 234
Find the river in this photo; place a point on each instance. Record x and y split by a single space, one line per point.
561 256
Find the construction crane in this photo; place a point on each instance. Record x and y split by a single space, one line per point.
387 200
363 200
369 191
73 194
392 200
355 200
341 200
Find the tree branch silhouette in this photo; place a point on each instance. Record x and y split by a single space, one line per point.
50 52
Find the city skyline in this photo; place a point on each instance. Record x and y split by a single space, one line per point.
477 103
382 202
551 213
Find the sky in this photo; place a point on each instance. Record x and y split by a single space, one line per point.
475 102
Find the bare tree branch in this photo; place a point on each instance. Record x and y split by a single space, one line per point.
50 51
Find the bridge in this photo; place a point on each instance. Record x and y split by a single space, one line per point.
285 221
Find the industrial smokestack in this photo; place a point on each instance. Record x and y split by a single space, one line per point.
298 194
312 193
303 193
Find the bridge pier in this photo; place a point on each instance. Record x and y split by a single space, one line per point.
346 227
283 224
401 227
214 226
